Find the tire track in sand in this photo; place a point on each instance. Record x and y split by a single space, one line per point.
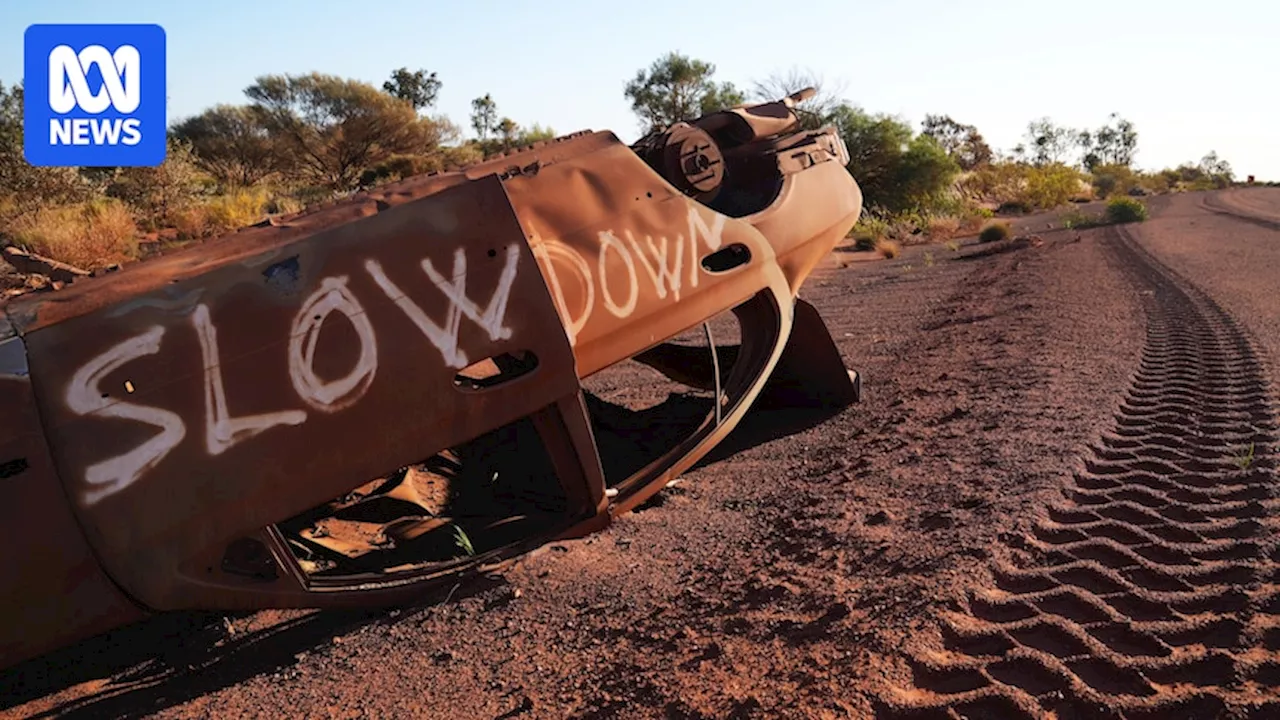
1153 588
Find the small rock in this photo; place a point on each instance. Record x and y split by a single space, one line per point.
879 517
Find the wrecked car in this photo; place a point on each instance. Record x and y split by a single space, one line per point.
345 405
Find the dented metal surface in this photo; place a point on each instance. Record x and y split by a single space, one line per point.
199 427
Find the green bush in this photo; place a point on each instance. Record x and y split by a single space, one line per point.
898 170
1049 186
994 232
872 226
1126 210
1111 180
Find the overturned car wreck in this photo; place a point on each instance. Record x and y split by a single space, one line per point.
341 406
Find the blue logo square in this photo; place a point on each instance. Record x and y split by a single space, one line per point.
94 95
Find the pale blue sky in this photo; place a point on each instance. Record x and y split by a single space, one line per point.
1193 76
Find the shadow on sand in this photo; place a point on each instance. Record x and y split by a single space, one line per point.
172 658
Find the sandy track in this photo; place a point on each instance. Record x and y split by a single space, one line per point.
1018 517
1254 205
1152 589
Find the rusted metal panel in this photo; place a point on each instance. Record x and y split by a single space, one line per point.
52 589
622 252
186 417
198 401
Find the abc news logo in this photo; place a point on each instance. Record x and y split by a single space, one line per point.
105 99
69 89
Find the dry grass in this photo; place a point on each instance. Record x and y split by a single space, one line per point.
89 235
236 209
943 228
219 214
888 248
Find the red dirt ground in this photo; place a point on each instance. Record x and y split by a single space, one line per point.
1036 511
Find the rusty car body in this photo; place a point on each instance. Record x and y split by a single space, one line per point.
190 431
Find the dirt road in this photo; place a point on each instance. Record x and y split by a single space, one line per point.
1044 506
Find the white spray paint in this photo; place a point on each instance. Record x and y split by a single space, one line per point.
664 277
333 296
609 241
548 251
84 396
221 430
445 338
711 235
663 261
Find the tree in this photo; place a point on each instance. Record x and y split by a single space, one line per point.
155 192
510 135
231 143
534 133
418 88
11 119
484 116
1049 143
963 143
331 129
1210 172
24 187
896 170
813 112
923 175
507 132
1212 165
676 88
875 144
1112 144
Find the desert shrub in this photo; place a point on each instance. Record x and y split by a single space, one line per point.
282 204
236 209
871 225
155 192
994 232
908 228
1075 219
218 214
90 235
190 221
1111 180
994 183
943 227
1125 210
986 213
308 195
400 167
1154 182
888 248
1104 185
951 202
1049 186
